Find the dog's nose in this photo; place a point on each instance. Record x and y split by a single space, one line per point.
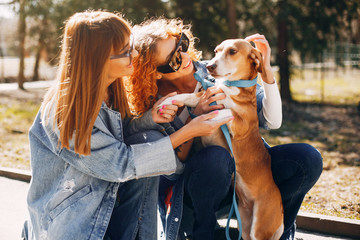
211 67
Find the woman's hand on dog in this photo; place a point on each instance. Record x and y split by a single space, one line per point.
212 94
167 112
263 46
202 126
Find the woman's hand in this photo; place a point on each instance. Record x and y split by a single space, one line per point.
166 113
204 125
263 46
212 94
201 126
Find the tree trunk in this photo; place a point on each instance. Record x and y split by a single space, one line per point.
2 67
356 39
231 14
22 34
37 62
40 47
283 60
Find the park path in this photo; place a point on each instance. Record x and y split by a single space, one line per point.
13 212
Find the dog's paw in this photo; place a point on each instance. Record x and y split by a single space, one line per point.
167 101
223 113
189 99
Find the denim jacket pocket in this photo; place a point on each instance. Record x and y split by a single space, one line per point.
70 200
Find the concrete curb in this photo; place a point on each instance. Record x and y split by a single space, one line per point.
343 227
17 174
329 224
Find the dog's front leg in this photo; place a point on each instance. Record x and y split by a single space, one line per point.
223 113
189 99
245 208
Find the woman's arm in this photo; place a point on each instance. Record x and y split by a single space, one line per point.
169 112
200 126
271 102
272 107
140 124
112 160
184 149
151 118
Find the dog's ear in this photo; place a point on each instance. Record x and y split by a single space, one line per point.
257 59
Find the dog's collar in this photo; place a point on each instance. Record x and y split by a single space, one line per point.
241 83
238 83
205 84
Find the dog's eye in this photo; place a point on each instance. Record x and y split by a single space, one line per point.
232 51
215 51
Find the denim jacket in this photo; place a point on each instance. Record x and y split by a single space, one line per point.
72 196
171 221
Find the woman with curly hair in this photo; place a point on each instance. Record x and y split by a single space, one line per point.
168 62
144 89
94 171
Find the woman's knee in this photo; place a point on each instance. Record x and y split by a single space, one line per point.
214 160
312 161
144 137
299 160
208 173
309 159
135 189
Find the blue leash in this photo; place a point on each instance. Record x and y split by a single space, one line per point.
225 130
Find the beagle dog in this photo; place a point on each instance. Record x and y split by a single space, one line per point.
259 199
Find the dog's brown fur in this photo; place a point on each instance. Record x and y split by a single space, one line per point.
259 199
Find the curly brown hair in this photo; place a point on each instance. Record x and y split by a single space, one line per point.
142 85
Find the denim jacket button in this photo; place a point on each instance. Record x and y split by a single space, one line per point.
176 219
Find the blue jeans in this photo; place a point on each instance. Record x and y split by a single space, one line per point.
135 212
295 167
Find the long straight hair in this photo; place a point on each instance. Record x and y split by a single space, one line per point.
82 76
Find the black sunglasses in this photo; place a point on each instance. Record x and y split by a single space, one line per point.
175 61
127 53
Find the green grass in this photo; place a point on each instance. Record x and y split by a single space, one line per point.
16 118
339 87
24 111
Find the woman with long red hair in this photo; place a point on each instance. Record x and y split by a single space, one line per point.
92 176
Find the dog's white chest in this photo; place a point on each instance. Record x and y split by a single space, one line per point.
227 102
